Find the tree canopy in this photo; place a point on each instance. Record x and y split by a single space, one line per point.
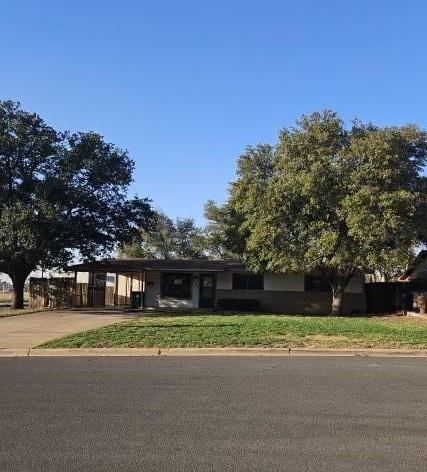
168 239
331 199
61 194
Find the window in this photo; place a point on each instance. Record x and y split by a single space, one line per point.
317 284
176 285
110 280
248 282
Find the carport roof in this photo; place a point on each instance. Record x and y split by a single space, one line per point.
140 265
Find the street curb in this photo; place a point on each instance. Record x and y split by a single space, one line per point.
6 352
203 352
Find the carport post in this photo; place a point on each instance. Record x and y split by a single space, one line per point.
75 289
143 286
116 290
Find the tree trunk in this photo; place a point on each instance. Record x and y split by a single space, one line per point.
18 281
337 300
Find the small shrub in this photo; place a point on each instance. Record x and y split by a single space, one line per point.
238 304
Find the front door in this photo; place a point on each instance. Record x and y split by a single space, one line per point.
207 291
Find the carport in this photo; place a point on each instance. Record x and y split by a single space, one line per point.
149 283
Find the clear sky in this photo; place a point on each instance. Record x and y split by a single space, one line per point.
185 85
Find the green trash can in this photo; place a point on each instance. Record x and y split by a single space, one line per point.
135 299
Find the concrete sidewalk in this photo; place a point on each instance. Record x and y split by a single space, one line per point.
27 331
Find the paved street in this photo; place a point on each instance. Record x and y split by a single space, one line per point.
25 331
213 414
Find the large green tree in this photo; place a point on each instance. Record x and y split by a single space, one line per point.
61 195
227 229
221 237
331 199
167 239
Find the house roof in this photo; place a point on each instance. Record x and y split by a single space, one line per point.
140 265
421 257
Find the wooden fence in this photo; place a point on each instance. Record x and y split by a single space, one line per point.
56 292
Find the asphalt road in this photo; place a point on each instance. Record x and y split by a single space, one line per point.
213 414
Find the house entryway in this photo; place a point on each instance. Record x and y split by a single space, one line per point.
207 291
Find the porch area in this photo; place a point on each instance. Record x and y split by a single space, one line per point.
153 289
142 283
106 289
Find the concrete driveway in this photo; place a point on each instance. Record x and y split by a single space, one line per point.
26 331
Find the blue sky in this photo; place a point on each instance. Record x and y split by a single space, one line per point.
186 85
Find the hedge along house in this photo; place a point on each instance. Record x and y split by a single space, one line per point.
206 284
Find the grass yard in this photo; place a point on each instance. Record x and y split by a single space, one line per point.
253 331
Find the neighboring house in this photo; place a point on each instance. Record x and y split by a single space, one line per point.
206 284
417 270
415 277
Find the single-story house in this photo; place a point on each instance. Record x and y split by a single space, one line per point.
206 284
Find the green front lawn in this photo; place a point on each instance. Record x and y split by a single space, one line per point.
253 331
